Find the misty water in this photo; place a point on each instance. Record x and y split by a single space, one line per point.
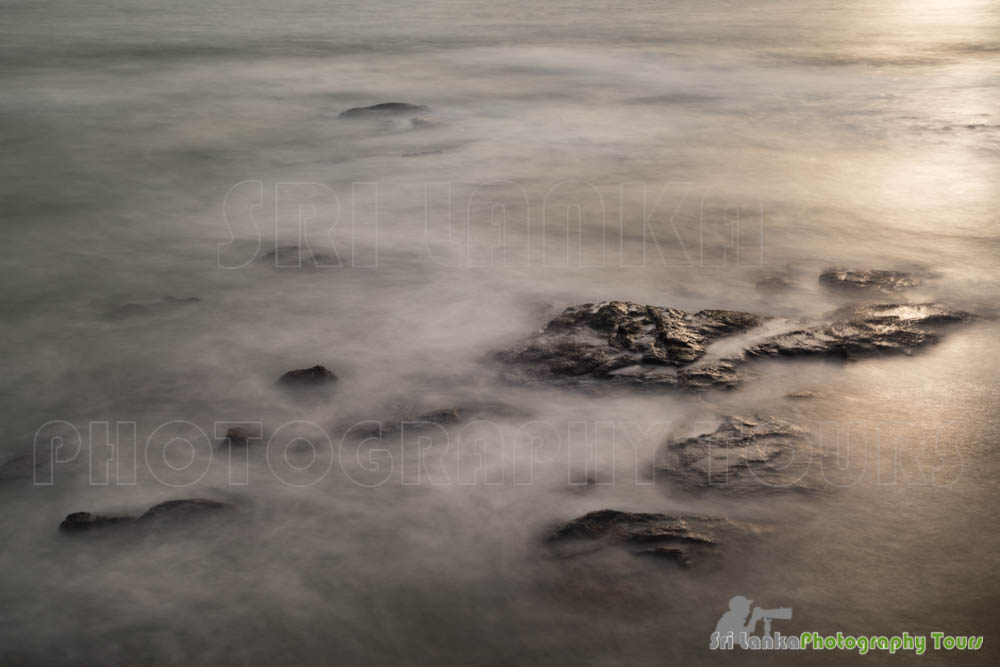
672 154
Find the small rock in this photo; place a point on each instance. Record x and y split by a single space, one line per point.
800 395
774 284
762 452
679 537
168 511
867 279
236 437
422 153
78 521
384 109
308 377
422 122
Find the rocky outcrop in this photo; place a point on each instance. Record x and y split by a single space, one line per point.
384 109
679 538
630 343
624 343
170 511
859 331
317 376
867 279
742 454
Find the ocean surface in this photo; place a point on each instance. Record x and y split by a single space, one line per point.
668 153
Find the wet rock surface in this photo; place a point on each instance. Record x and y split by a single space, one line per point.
167 512
762 452
317 376
623 343
867 279
384 109
630 343
859 331
679 538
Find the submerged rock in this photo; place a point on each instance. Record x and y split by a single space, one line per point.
679 538
294 257
422 153
867 279
774 284
137 309
236 437
623 343
172 510
384 109
316 376
742 454
800 395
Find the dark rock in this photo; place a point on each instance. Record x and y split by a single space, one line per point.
622 343
308 377
630 343
774 284
762 452
422 122
172 510
860 331
181 509
384 109
236 437
78 521
422 153
800 395
680 537
867 279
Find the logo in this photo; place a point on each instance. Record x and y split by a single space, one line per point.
738 627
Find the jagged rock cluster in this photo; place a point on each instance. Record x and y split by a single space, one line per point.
619 342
